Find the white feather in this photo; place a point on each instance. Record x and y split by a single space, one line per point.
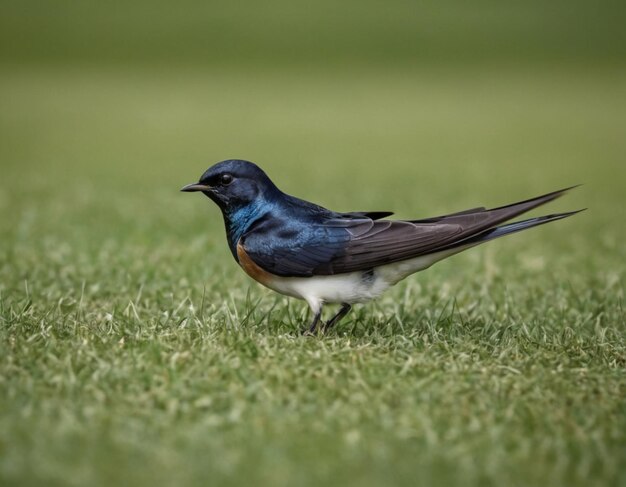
353 287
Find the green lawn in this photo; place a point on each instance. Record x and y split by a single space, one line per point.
133 351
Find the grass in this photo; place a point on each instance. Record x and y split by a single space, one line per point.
133 351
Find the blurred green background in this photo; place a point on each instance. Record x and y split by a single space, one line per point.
108 108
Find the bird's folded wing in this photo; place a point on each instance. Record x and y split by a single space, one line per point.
340 245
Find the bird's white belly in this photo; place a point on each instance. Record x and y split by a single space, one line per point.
352 287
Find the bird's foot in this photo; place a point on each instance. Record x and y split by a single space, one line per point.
313 328
345 309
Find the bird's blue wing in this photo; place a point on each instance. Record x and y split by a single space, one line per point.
302 248
338 245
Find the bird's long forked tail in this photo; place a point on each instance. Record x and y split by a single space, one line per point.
515 227
498 216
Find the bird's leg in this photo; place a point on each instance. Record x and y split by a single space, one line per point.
314 322
345 309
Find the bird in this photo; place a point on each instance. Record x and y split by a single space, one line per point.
305 251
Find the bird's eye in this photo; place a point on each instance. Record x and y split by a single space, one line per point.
226 179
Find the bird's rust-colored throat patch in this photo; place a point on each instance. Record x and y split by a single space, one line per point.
251 268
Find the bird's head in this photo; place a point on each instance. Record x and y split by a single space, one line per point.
234 184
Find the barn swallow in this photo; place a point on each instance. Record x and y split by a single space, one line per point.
303 250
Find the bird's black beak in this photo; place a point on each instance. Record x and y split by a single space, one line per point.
195 187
